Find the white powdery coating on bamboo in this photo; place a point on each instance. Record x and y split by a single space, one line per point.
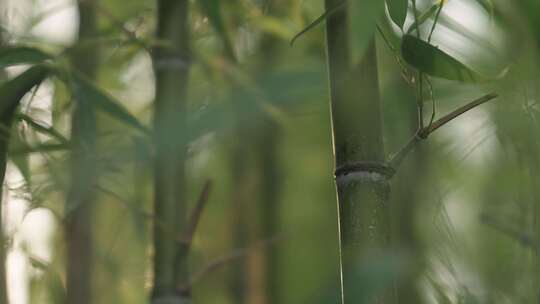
361 176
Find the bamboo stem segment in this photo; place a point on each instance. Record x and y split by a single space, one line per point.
171 64
361 178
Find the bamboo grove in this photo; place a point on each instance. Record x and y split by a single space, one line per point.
269 151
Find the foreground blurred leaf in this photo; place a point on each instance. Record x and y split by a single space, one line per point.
433 61
86 90
398 11
21 55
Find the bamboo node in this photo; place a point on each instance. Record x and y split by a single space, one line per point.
372 171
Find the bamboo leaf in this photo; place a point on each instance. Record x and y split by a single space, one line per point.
89 92
39 127
433 61
11 94
398 11
21 55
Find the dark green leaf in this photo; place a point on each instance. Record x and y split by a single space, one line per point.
432 61
11 94
89 92
21 55
398 11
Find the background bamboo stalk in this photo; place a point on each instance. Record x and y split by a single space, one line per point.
171 64
81 195
361 177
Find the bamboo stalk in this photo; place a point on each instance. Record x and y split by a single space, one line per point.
171 64
81 197
361 175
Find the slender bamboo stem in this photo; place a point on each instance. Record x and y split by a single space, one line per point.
171 65
81 195
361 176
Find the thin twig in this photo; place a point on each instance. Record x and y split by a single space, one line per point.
423 133
196 214
435 21
433 104
457 112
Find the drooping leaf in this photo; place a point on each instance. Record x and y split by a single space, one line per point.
398 11
423 17
21 55
89 92
11 94
433 61
212 9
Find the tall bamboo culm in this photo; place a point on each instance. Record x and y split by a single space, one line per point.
81 195
361 176
171 65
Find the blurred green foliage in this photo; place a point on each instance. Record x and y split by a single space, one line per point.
465 203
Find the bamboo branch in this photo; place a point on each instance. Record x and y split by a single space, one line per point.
194 219
424 132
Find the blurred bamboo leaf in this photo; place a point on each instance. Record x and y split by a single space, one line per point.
212 9
11 94
433 61
86 90
21 55
398 11
52 132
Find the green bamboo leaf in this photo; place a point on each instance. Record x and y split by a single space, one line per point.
398 11
39 127
433 61
85 90
11 93
423 17
11 56
212 9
